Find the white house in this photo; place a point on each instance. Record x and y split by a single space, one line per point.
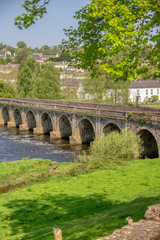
144 90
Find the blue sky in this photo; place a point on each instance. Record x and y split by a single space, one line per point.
48 30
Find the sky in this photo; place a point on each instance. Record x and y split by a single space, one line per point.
46 31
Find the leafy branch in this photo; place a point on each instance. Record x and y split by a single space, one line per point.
34 10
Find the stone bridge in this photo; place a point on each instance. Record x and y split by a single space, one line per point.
82 122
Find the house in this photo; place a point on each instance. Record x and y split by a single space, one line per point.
2 54
70 78
71 73
37 54
5 54
144 90
8 67
62 65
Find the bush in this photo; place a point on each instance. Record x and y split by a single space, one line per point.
155 98
114 148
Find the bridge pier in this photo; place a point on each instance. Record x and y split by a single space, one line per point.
11 123
98 128
24 125
55 134
75 138
1 117
38 129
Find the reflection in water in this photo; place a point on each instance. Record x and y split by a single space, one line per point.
16 144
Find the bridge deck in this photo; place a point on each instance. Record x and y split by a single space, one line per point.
94 109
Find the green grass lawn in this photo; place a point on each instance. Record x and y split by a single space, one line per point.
152 105
85 207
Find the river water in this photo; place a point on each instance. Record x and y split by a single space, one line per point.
15 145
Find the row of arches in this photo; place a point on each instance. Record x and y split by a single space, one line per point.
86 129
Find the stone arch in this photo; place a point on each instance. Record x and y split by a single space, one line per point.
149 144
65 127
110 127
46 123
86 131
5 114
31 120
17 117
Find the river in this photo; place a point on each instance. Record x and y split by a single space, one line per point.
15 145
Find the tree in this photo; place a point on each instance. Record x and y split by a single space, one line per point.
10 49
22 55
34 11
21 44
105 28
108 27
48 82
45 48
63 57
1 46
102 89
3 61
36 82
27 74
6 90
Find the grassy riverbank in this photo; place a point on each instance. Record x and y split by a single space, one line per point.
87 206
17 174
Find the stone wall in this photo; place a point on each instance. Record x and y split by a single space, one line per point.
148 229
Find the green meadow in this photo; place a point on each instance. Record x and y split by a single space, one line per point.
86 206
152 105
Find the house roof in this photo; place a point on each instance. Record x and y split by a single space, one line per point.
148 83
2 54
37 56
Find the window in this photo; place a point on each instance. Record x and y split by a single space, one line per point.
157 91
151 91
146 91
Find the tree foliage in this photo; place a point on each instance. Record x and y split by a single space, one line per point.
3 61
108 27
48 82
34 9
36 82
45 48
11 49
116 147
1 46
63 57
7 90
27 74
21 44
22 55
101 88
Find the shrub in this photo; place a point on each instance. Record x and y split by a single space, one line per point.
155 98
114 148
